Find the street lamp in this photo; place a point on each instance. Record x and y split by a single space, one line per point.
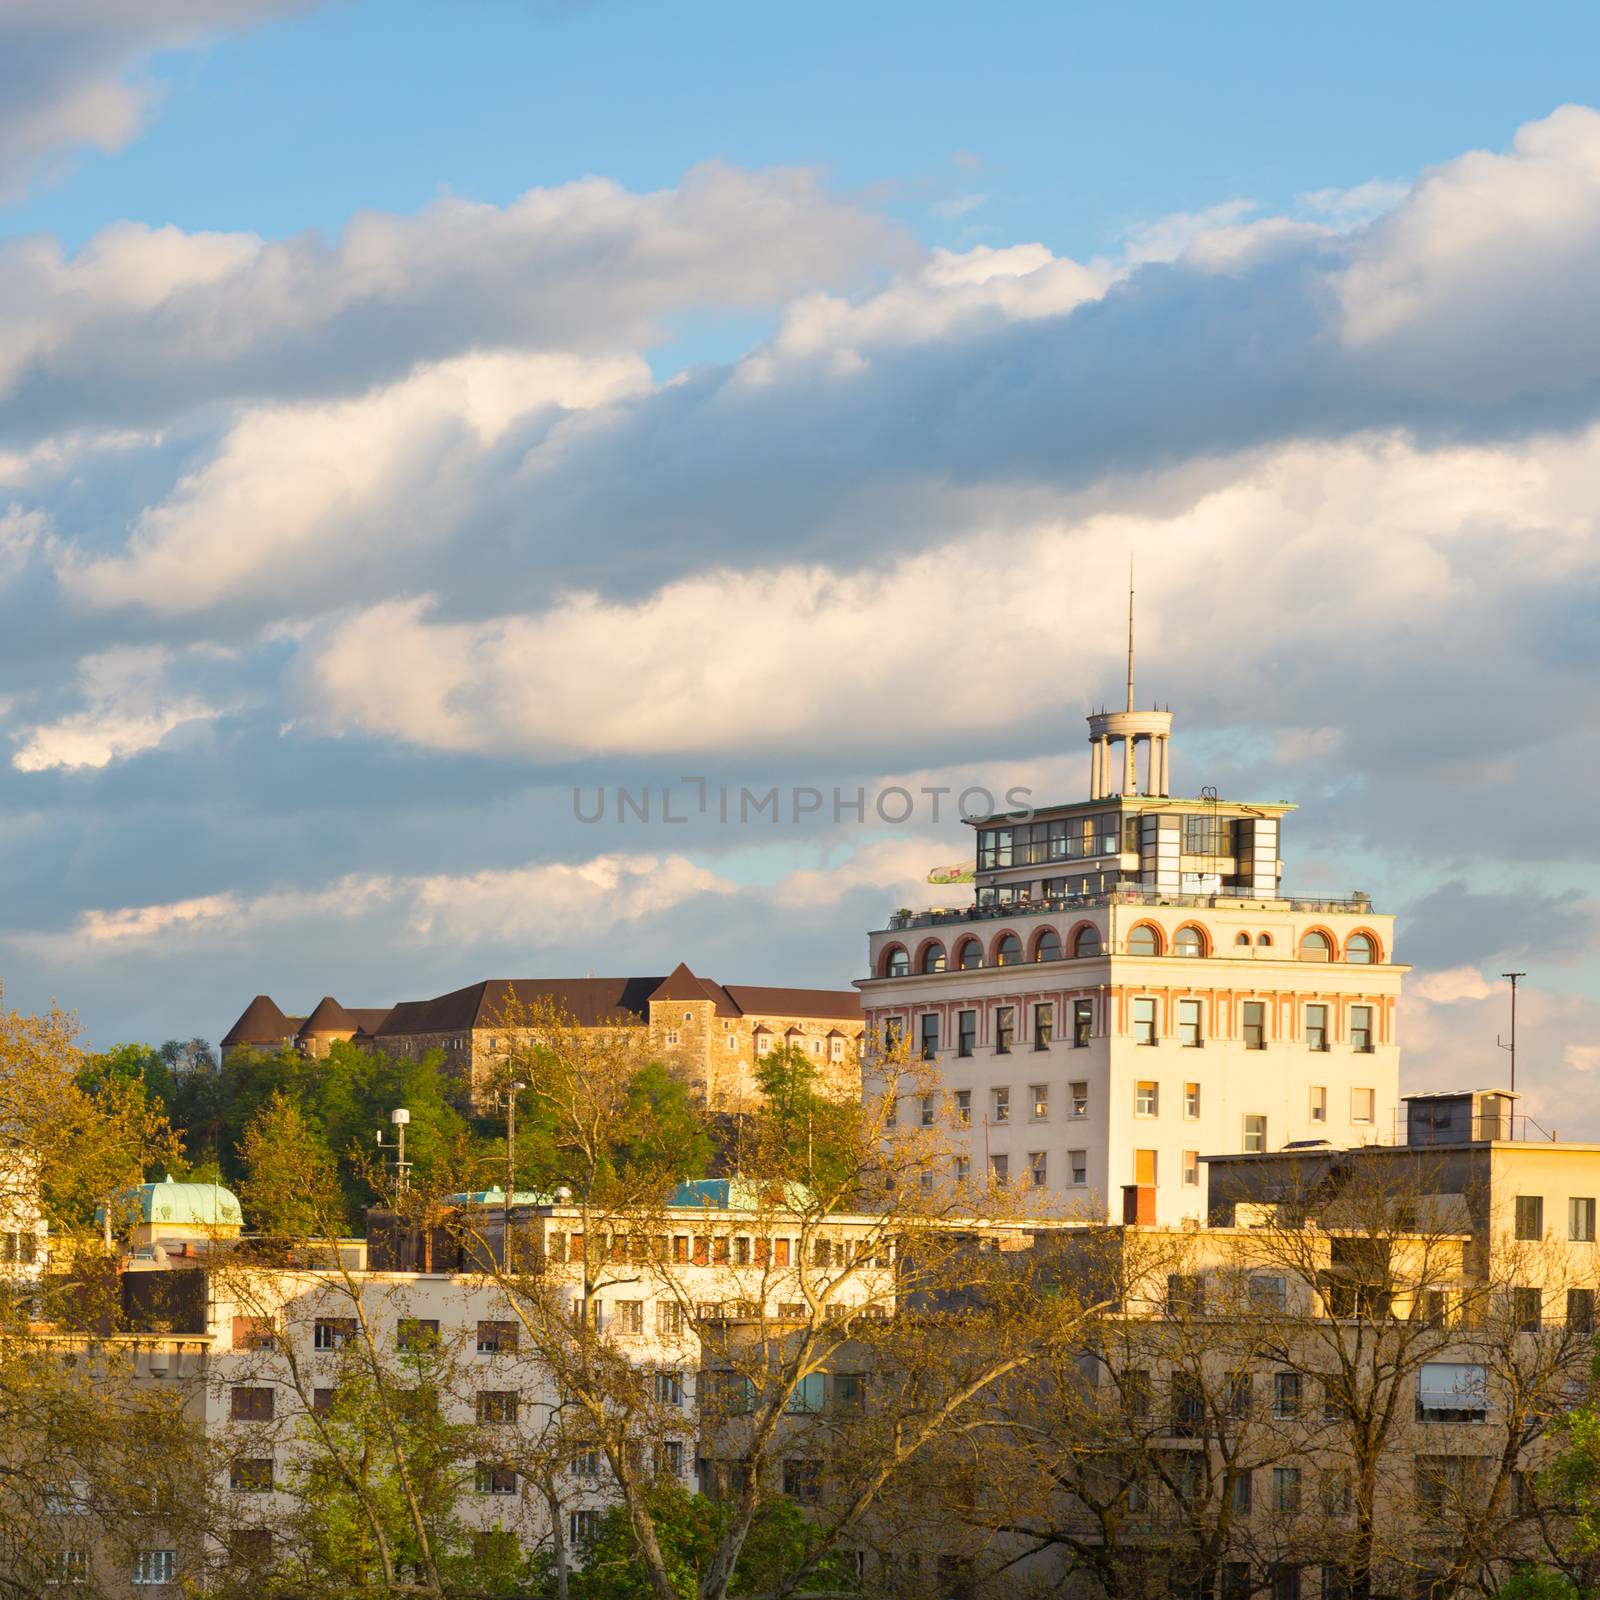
399 1117
512 1091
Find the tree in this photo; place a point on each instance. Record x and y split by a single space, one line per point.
853 1262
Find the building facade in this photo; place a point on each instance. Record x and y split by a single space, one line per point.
713 1035
1132 989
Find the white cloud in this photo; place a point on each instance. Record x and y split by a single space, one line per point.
535 904
1478 283
63 65
144 322
296 493
1347 547
129 707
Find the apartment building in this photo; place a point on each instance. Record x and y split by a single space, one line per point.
715 1035
1132 989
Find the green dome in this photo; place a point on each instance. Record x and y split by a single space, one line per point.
195 1205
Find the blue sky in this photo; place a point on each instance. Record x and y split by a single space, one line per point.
411 411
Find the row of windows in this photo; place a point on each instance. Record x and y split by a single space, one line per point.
1529 1217
1144 939
1253 1030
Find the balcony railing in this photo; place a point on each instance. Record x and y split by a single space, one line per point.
1125 894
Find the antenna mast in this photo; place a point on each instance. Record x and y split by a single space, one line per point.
1130 633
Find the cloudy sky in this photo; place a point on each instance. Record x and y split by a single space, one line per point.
412 412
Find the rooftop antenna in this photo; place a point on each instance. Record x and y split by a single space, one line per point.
1130 633
1512 1047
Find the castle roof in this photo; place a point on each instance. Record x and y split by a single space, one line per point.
261 1023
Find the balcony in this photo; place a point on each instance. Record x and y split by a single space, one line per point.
1126 895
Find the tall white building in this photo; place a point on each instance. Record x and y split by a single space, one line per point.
1131 989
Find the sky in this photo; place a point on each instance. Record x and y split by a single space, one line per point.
421 421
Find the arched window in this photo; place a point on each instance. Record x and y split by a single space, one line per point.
1315 945
1086 942
1360 949
1189 942
1048 947
1241 938
933 957
969 954
1008 951
896 963
1263 939
1144 941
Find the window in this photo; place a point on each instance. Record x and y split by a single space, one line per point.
1530 1216
1000 1168
1236 1584
496 1337
155 1566
1319 1102
252 1405
969 955
1185 1296
1580 1310
1580 1220
1038 1168
1255 1134
802 1479
1078 1168
1361 1029
1452 1391
1363 1105
999 1105
1359 948
1527 1310
490 1478
1269 1292
805 1399
417 1333
583 1527
1008 952
1005 1029
933 957
1316 1027
733 1044
963 1108
1191 1101
1086 943
1189 942
250 1474
1333 1491
1146 1098
849 1391
962 1169
1189 1024
1444 1482
672 1037
669 1388
1144 1021
630 1315
966 1032
1191 1169
587 1465
1040 1095
1080 1099
1082 1023
669 1319
252 1333
1144 941
1283 1579
929 1024
1048 946
1241 938
333 1333
1286 1489
1254 1024
1286 1394
322 1402
896 963
497 1405
1044 1025
894 1032
1315 946
67 1566
1242 1492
